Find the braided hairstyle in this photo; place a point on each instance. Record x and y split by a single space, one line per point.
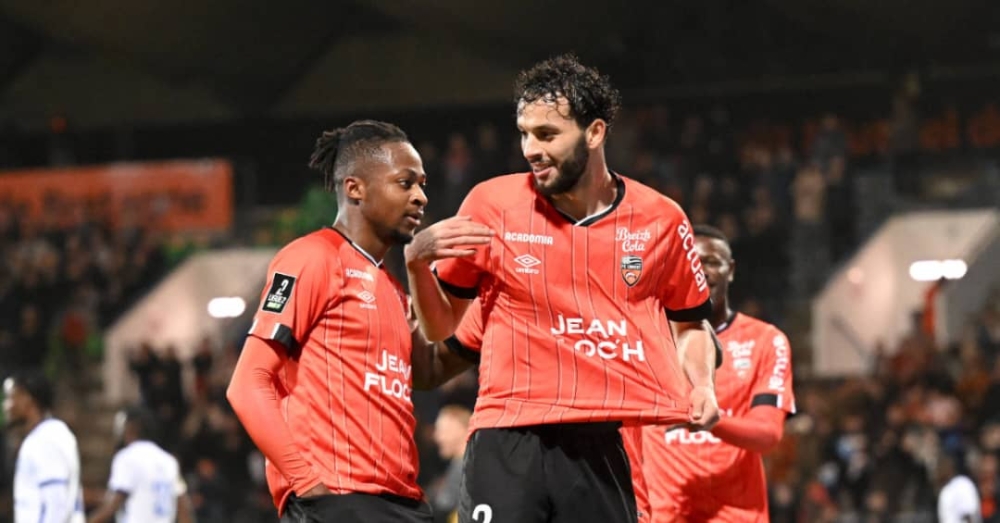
337 150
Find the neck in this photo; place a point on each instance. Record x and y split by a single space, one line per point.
359 231
595 192
720 313
33 420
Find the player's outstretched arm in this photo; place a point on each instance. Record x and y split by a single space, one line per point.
254 397
438 311
759 430
696 352
113 502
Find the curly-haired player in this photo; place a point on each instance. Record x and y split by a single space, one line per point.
596 304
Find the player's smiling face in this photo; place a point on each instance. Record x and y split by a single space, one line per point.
392 196
717 262
553 143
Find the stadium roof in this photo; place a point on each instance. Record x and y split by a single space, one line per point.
124 62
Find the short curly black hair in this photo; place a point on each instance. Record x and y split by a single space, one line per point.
590 94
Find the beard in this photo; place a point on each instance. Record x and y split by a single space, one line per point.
398 237
569 170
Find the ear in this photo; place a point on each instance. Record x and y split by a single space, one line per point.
595 133
354 189
732 270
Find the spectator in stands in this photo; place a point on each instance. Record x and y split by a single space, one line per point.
451 431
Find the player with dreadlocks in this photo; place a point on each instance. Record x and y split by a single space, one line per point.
323 383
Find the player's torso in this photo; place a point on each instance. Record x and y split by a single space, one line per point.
356 365
577 319
156 476
696 470
49 454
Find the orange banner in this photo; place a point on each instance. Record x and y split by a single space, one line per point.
188 195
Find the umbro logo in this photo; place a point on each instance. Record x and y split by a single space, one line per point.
526 262
368 299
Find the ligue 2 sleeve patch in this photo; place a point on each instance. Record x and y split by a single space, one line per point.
278 295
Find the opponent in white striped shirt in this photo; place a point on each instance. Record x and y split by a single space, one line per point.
47 474
146 485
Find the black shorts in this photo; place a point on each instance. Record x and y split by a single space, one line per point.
567 473
348 508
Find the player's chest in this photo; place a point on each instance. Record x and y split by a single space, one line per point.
604 256
367 298
736 376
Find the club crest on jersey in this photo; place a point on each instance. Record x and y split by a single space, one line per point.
631 269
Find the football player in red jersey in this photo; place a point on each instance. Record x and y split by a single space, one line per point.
597 306
324 380
717 475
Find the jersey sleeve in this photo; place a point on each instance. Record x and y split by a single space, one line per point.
301 282
461 276
122 478
773 382
467 342
683 289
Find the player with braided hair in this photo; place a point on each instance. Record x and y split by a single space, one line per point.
323 384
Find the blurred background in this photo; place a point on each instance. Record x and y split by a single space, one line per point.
153 158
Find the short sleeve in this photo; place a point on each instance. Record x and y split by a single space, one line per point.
299 288
461 276
122 479
44 467
467 341
684 289
773 382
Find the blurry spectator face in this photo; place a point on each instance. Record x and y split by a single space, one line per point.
699 214
702 189
895 415
990 437
835 171
729 226
988 467
555 146
488 137
29 319
830 122
428 152
450 430
717 262
390 192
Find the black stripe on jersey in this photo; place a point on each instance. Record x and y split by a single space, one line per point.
459 292
462 351
283 335
701 312
766 398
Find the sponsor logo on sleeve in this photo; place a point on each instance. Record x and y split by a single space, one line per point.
279 293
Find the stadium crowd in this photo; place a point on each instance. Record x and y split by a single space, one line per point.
862 449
